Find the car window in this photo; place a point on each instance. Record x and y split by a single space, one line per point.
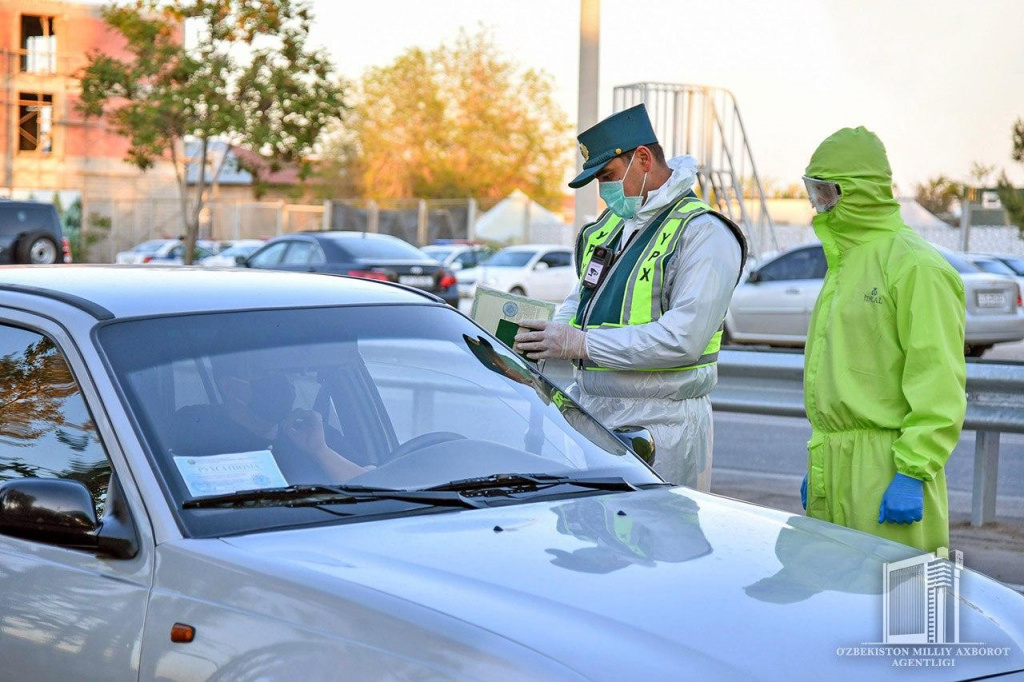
557 259
175 252
389 383
993 266
1015 264
150 246
45 428
801 264
298 253
467 259
270 255
381 247
510 259
959 263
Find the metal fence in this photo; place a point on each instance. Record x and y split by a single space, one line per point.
771 384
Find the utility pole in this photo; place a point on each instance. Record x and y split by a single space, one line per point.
590 34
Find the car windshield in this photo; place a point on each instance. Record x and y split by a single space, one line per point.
239 250
994 266
380 248
151 246
369 396
437 253
510 259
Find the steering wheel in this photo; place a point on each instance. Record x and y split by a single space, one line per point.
424 440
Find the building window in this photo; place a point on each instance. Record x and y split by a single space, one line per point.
38 44
35 122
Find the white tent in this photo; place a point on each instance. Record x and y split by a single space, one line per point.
918 217
517 219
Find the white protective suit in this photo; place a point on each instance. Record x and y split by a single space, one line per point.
673 406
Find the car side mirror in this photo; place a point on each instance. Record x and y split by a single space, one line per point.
753 277
541 265
60 512
639 440
241 260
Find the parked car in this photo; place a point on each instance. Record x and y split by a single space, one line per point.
30 232
456 257
773 304
542 271
1002 265
357 254
147 530
165 252
231 251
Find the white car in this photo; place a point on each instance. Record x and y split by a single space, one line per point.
542 271
773 303
1000 265
429 507
165 252
228 258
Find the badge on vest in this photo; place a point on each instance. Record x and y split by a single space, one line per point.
597 267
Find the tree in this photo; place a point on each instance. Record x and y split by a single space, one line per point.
1011 197
455 121
937 195
248 79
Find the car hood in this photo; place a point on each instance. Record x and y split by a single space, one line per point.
650 583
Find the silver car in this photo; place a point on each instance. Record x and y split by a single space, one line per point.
773 304
242 475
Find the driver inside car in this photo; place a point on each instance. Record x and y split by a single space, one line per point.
257 413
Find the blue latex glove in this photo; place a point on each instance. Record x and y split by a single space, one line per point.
803 493
903 501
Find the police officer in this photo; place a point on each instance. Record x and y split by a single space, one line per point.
644 323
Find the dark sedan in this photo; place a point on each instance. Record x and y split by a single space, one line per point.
357 254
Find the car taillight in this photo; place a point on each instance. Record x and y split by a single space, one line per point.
66 247
370 274
1020 301
146 259
447 280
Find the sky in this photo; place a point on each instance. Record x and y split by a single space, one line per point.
940 81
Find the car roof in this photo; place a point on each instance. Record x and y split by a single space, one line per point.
117 291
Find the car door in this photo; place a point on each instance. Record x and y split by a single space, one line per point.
775 304
65 614
553 280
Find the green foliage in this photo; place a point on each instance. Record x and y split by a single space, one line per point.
460 120
937 195
1012 198
249 78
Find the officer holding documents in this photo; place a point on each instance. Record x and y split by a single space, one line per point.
643 325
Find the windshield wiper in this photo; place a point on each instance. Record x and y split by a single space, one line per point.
532 482
317 495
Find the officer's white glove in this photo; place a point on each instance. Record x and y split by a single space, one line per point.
551 340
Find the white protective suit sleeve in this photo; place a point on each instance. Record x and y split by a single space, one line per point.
700 282
567 310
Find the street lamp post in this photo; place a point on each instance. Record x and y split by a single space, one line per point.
590 33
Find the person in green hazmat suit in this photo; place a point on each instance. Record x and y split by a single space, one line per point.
884 376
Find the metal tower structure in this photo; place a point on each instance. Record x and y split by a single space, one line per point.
705 123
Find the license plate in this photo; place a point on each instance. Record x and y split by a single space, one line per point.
992 300
417 280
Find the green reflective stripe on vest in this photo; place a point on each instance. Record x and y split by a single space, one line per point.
642 300
601 233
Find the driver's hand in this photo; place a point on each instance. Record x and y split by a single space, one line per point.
305 429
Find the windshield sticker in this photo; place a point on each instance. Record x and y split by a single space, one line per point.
219 474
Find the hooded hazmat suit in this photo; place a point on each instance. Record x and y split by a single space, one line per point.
673 405
884 375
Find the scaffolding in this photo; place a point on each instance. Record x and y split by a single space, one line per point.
705 123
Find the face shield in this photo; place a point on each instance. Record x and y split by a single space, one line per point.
824 194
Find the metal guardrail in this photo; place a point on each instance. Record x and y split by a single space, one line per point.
771 384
